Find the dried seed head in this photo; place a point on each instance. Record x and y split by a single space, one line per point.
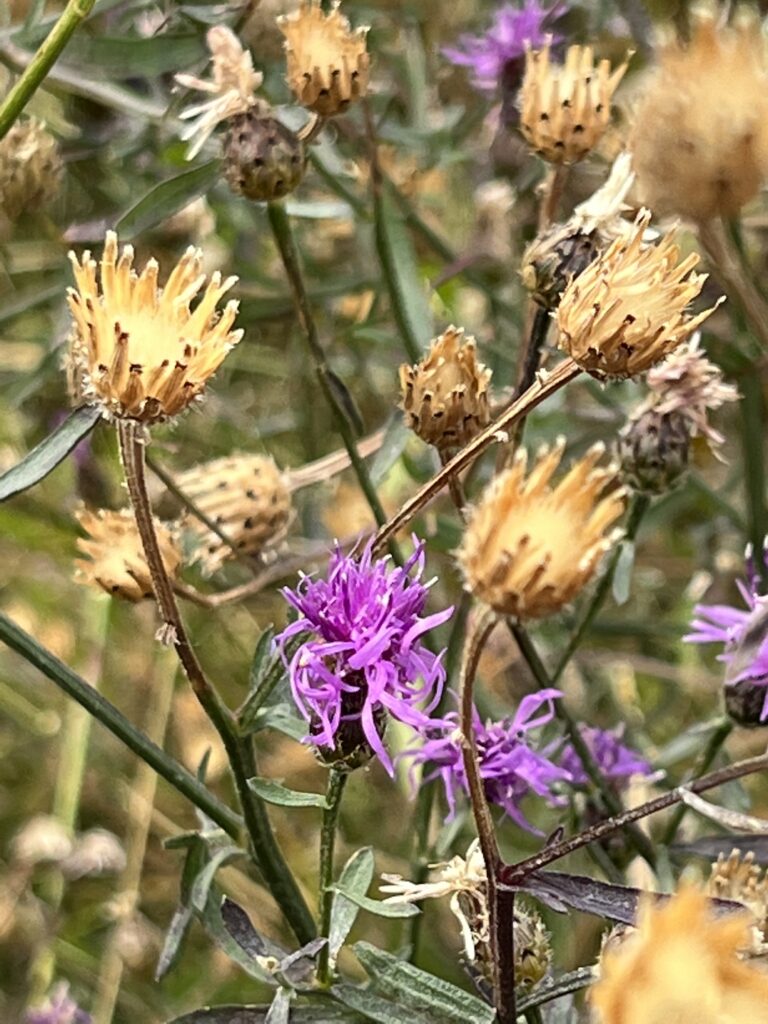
564 109
246 496
114 557
138 350
629 308
30 168
653 451
445 396
700 137
327 60
263 160
738 878
529 548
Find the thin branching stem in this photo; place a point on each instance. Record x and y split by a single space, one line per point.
333 793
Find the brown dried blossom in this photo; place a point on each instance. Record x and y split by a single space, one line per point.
30 168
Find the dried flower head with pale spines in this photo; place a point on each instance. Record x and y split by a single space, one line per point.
445 396
530 547
681 964
739 878
139 350
629 308
232 87
327 60
113 555
565 109
700 134
30 168
248 499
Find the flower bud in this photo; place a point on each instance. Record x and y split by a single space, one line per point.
552 261
653 451
30 168
263 160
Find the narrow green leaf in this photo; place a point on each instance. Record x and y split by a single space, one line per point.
327 1012
622 577
272 673
194 862
202 884
274 793
562 986
396 437
117 58
43 459
262 658
375 1008
356 876
167 198
376 906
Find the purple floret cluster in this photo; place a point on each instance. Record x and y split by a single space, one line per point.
616 761
59 1008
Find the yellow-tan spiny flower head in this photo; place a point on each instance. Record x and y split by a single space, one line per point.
327 60
113 555
445 396
700 134
232 87
249 500
629 308
565 109
30 168
739 878
529 547
140 350
681 966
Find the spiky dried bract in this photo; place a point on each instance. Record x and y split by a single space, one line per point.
529 547
445 396
141 351
681 966
700 137
629 308
113 555
246 496
327 60
564 109
30 168
739 878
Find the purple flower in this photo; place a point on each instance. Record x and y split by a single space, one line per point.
743 632
58 1009
509 765
616 761
366 657
490 55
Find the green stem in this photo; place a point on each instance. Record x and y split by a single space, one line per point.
718 737
752 410
46 56
334 791
109 716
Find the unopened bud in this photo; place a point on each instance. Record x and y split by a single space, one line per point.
263 160
653 451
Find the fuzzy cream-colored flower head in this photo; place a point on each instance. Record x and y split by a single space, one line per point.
700 134
682 966
529 547
113 556
564 109
232 87
629 308
327 60
739 878
445 396
139 350
249 500
30 168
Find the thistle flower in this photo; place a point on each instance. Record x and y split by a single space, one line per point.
510 766
464 879
365 658
140 351
739 878
744 635
445 396
114 556
232 87
249 500
30 168
629 308
616 762
327 60
681 965
59 1008
499 54
565 109
529 548
700 137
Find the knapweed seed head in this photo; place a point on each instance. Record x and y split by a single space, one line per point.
529 547
681 964
30 168
739 878
617 762
653 449
248 499
327 60
113 556
629 308
445 396
364 658
700 135
510 765
565 109
141 351
263 159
